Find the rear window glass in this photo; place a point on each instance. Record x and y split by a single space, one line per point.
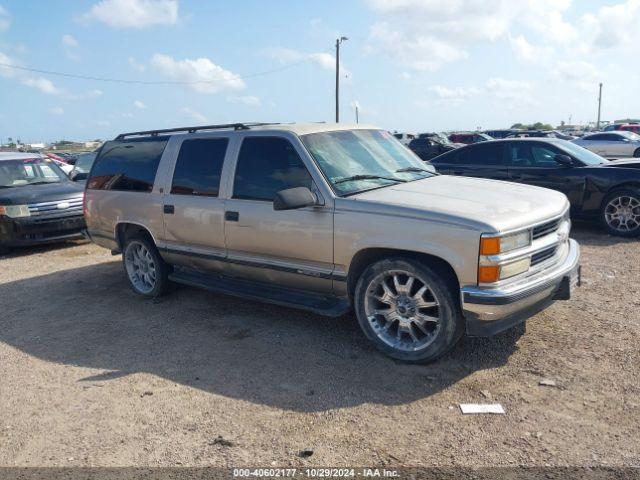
127 165
199 166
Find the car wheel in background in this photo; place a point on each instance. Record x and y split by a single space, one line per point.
408 310
145 269
636 154
621 212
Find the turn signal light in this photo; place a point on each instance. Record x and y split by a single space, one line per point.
489 245
488 274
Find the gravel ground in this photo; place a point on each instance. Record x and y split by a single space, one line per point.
92 375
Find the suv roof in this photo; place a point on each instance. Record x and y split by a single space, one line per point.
297 128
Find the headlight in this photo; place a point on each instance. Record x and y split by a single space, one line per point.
15 211
496 245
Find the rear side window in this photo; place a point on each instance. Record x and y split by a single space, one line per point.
199 166
267 165
483 154
127 165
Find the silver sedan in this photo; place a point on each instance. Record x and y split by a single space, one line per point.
618 144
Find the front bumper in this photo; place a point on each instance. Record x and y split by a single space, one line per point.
491 310
35 231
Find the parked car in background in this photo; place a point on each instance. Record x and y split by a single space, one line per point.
428 147
617 144
469 138
598 189
540 134
327 218
631 127
60 162
612 127
501 133
38 202
82 166
404 138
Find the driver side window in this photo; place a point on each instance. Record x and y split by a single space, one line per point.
267 165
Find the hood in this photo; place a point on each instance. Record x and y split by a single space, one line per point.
630 163
485 205
27 194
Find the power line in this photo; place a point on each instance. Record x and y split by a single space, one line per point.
145 82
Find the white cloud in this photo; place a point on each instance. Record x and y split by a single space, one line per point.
43 84
139 105
284 55
512 93
70 45
127 115
103 123
613 26
249 100
5 19
7 72
197 116
324 60
133 13
578 72
56 111
69 41
527 52
140 67
201 74
428 34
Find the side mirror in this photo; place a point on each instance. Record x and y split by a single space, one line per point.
564 160
294 198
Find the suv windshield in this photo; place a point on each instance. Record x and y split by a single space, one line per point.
29 171
358 160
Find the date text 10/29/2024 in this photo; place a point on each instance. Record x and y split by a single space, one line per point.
315 473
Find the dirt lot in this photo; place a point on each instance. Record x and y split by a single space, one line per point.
90 374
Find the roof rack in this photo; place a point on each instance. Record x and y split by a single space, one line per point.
155 133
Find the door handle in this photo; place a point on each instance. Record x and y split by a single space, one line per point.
169 209
231 216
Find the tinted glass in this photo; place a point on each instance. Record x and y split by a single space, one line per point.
199 166
128 165
483 154
529 154
585 156
267 165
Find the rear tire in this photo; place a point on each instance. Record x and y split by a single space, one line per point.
620 212
636 154
144 267
408 310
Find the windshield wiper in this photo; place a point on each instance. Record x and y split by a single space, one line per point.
413 169
42 182
354 178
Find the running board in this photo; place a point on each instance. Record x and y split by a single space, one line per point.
330 306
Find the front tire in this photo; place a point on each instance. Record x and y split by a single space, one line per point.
620 212
408 310
636 154
146 271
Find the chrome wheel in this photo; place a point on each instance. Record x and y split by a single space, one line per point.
402 310
623 213
140 267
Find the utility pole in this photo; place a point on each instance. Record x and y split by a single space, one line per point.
338 42
357 116
599 107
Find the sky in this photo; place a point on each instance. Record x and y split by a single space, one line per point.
409 65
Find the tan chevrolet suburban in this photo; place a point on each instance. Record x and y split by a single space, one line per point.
331 218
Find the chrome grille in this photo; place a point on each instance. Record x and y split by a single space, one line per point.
543 255
59 208
546 228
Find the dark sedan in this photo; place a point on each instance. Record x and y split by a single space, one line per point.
429 147
38 202
598 189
